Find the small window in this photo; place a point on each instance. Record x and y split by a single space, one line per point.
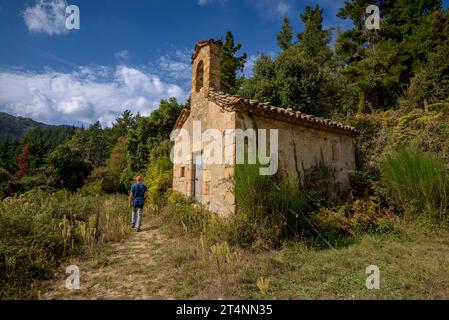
183 172
199 77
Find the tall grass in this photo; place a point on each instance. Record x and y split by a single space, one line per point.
271 209
418 182
39 231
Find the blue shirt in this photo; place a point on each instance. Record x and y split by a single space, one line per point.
138 191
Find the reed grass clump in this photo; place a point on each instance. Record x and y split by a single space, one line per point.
417 182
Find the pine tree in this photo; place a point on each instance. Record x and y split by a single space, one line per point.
314 41
231 64
284 38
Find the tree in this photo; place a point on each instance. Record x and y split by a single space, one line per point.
8 155
302 76
149 132
122 125
383 62
231 64
314 41
22 163
284 38
42 141
66 168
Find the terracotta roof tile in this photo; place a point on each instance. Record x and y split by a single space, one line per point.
236 103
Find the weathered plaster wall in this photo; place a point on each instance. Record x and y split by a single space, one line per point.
301 145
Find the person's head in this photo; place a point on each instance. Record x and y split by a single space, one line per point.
139 179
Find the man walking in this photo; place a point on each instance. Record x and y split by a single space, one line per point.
137 201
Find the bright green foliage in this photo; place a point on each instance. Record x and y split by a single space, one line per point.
159 174
231 64
292 81
302 76
417 182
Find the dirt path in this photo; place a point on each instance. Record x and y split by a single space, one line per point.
125 270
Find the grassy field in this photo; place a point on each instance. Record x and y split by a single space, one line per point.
161 263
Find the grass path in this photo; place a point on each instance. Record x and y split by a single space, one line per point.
124 270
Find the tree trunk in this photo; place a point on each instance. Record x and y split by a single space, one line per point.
362 103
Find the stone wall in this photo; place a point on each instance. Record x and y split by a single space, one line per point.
217 187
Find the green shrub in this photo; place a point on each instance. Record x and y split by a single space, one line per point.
418 182
159 174
192 218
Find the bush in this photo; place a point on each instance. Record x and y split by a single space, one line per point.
192 218
102 179
418 182
8 185
159 174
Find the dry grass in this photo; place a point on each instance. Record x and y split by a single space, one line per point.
157 264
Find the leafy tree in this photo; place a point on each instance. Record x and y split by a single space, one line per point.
262 85
231 64
66 168
284 38
149 132
301 77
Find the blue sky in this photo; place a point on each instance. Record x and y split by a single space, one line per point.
126 54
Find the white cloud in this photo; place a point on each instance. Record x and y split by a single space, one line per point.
249 65
272 8
85 95
47 16
204 2
176 65
283 8
122 55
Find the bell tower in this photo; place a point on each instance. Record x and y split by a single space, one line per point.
206 67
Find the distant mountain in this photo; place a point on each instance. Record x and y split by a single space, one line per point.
11 127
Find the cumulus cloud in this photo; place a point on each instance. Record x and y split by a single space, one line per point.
86 95
46 16
176 65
